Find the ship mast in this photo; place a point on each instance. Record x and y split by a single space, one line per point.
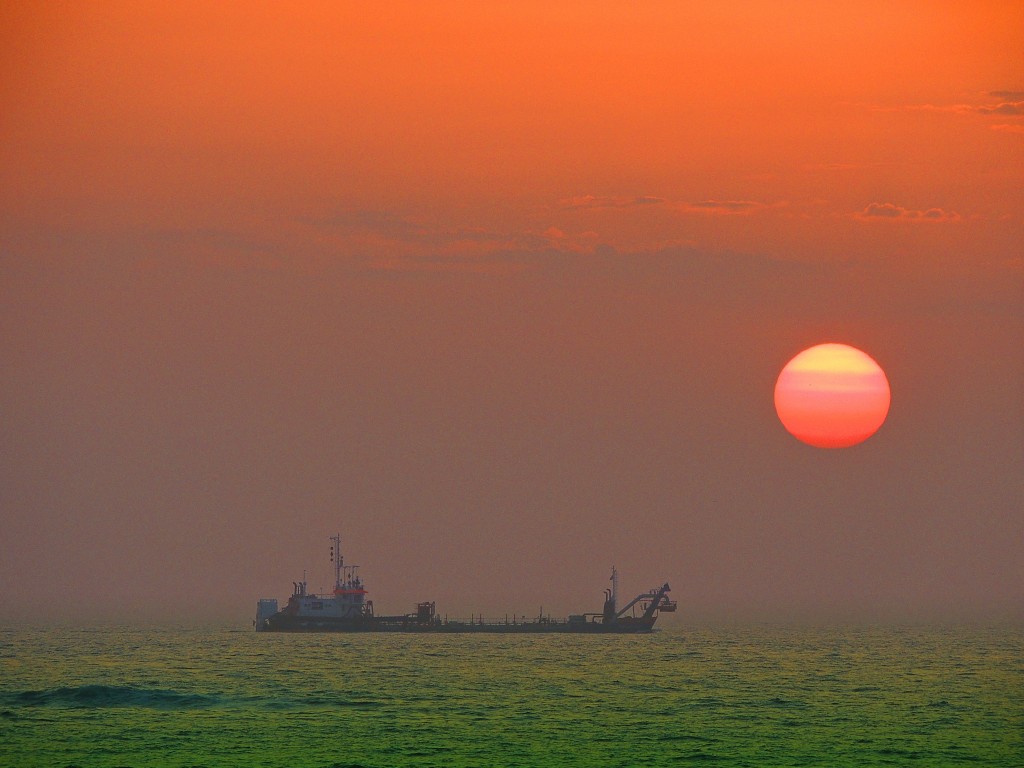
615 588
337 559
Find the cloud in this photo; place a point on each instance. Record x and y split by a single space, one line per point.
1009 127
359 218
591 202
582 202
1005 108
876 211
389 241
1011 104
397 228
952 108
723 207
447 264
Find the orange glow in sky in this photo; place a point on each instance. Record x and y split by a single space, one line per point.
832 396
487 284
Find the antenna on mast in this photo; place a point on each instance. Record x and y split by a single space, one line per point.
615 587
337 559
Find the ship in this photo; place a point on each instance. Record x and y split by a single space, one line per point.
347 609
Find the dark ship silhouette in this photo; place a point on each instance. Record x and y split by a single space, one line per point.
346 609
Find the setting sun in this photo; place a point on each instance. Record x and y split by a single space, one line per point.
832 396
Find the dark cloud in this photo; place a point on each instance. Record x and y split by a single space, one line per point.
397 226
710 206
381 222
1005 108
607 201
891 211
1011 107
722 206
479 265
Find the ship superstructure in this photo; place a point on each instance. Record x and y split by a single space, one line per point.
346 609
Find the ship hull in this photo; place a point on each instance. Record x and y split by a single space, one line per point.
369 624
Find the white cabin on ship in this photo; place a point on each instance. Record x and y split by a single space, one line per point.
346 603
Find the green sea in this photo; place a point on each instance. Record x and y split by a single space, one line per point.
735 696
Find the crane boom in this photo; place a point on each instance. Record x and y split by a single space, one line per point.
656 596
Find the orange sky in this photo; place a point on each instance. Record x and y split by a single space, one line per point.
540 261
468 116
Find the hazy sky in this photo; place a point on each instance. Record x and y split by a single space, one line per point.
501 294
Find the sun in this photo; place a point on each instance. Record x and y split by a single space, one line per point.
832 396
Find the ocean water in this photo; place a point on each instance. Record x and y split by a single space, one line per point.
755 696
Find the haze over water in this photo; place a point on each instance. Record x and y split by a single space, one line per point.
755 696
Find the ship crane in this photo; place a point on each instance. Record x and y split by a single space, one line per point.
658 601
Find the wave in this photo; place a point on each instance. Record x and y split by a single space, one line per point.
111 696
102 696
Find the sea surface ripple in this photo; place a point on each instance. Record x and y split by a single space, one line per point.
752 696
